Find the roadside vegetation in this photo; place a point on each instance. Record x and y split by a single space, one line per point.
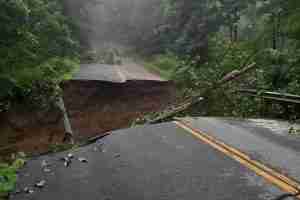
8 174
202 42
163 64
38 50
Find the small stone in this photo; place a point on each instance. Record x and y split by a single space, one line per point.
47 170
45 163
17 191
67 163
70 156
83 160
117 155
28 190
40 184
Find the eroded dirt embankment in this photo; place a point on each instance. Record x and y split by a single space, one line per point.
94 108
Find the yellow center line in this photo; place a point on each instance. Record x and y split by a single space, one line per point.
283 182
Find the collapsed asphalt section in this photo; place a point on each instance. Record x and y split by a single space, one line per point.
96 101
154 162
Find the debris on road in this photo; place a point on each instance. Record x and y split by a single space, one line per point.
117 155
40 184
66 161
70 156
47 170
28 190
45 164
83 160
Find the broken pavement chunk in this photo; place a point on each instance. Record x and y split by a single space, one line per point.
67 161
117 155
83 160
45 163
28 190
40 184
47 170
70 156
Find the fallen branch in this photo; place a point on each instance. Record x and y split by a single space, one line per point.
273 96
199 98
236 74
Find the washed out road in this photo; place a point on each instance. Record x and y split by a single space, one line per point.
161 161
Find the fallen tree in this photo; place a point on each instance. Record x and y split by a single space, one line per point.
195 100
272 96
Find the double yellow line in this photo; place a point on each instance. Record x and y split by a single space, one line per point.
285 183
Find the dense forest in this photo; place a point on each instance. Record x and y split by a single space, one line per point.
39 49
200 42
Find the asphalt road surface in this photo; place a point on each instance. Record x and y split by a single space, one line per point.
161 162
115 73
268 141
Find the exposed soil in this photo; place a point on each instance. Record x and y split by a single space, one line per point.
94 108
98 107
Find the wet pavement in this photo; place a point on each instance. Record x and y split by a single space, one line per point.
115 73
161 162
267 141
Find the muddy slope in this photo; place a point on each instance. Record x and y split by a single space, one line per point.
94 108
98 107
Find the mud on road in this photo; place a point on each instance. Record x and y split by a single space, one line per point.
94 108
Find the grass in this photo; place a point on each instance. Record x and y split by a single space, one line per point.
8 177
55 148
164 65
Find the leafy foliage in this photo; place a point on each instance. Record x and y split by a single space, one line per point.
37 47
8 176
240 32
163 64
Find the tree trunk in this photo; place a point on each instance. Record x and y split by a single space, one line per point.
235 25
231 32
274 32
235 33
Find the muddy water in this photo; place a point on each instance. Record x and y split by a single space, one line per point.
94 108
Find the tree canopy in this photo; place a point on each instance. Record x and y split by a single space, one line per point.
37 45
